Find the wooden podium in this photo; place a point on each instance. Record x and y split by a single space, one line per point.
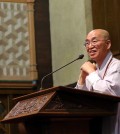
61 110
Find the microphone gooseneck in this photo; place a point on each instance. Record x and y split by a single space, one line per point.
79 57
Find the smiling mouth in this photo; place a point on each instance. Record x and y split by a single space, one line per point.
92 52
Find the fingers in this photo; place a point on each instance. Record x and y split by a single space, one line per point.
88 67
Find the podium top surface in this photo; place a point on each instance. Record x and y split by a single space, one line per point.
70 90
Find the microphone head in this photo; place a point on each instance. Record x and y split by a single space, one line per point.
81 56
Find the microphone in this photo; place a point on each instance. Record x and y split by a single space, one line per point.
79 57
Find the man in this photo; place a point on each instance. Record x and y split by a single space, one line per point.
104 76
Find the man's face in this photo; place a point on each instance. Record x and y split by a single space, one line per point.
97 46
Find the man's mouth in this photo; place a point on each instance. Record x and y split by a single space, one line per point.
92 52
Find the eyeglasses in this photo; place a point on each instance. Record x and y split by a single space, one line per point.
93 42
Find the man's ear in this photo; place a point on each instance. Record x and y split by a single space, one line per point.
108 44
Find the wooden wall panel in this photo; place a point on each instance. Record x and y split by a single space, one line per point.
43 42
106 15
98 14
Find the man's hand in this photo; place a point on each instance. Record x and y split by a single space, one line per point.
88 67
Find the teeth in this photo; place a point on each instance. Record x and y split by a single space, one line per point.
92 51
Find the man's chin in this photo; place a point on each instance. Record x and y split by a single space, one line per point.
92 56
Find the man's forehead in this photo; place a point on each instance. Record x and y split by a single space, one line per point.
94 34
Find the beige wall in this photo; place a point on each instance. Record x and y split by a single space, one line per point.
70 20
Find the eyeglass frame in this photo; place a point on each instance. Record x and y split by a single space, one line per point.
93 42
